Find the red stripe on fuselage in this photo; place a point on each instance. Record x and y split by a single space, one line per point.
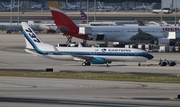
63 20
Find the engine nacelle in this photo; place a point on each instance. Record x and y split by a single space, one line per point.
97 60
161 41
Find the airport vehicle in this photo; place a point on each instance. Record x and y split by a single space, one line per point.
164 10
38 6
167 62
143 7
88 55
17 28
125 34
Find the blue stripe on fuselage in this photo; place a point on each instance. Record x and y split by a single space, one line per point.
148 56
35 47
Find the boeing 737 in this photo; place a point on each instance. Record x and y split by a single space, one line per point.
124 34
88 55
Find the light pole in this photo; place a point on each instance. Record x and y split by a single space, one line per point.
11 13
94 10
18 12
175 12
87 11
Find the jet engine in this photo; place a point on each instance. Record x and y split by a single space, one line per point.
97 60
161 41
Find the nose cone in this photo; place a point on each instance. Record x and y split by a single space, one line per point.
149 56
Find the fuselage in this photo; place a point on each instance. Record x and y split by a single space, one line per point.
108 54
125 33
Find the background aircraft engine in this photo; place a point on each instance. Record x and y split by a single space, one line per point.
161 42
98 60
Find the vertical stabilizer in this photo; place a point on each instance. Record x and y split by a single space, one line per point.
34 42
62 21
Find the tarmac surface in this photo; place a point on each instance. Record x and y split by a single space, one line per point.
43 92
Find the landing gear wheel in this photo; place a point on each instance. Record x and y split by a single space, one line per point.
139 64
88 63
83 64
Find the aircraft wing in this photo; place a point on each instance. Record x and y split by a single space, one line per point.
142 36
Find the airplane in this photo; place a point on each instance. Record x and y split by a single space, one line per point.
125 34
143 7
17 28
107 8
13 6
71 7
38 6
88 55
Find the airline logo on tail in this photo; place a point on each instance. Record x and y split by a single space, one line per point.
84 17
32 35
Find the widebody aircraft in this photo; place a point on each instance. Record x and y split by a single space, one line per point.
88 55
124 34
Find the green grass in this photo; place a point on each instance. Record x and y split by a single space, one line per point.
94 76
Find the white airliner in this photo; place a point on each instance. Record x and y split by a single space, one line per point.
14 5
143 7
124 34
88 55
38 6
71 7
106 8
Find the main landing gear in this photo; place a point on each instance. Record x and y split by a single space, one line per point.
86 63
69 39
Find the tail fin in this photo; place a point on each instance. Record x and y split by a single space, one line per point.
33 41
140 23
61 20
84 17
3 4
99 4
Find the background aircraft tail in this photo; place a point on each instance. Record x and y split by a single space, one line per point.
62 21
99 5
140 23
84 17
33 41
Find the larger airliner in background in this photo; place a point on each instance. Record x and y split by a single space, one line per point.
88 55
125 34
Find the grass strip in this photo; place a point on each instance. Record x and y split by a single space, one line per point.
94 76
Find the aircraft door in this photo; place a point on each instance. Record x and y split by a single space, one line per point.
100 37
